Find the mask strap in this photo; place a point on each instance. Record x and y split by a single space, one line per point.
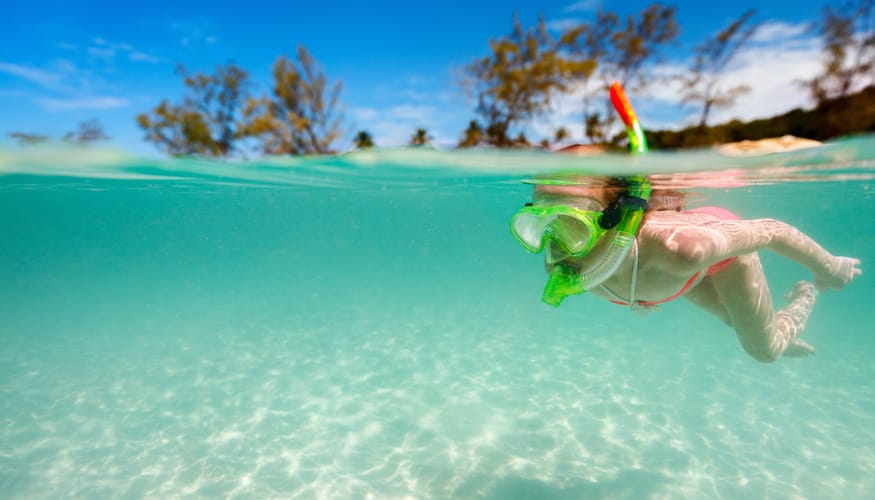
613 213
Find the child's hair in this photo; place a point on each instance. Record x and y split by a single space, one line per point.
660 199
667 199
611 189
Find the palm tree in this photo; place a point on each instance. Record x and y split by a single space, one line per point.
28 139
561 134
521 141
90 131
472 136
363 140
420 138
595 127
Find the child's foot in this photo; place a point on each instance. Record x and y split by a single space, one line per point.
799 349
792 319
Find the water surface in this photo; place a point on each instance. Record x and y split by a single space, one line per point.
365 325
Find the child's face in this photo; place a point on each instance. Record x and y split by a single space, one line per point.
578 196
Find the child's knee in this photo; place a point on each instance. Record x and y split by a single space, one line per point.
762 355
765 349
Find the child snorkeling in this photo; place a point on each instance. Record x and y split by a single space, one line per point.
608 238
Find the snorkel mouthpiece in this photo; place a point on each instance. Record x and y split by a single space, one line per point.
563 282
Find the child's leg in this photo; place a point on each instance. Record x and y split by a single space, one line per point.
705 296
744 293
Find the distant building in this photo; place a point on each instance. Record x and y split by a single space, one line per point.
766 146
582 149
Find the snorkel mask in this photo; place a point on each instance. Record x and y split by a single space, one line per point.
574 230
577 230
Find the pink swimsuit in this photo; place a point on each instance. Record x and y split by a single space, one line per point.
718 212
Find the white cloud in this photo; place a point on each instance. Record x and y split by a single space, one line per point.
108 50
66 79
43 78
82 103
451 96
416 95
393 126
143 57
778 31
774 74
102 53
194 31
363 114
416 104
562 24
420 113
583 5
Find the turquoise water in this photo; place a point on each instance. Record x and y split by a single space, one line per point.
365 326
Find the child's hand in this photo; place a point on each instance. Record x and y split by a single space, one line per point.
838 273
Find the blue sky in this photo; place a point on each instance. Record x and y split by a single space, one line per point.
63 62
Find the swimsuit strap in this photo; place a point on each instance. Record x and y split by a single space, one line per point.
633 286
616 299
694 280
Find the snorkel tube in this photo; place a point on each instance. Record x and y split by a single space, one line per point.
564 280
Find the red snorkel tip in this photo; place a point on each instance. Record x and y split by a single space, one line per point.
621 104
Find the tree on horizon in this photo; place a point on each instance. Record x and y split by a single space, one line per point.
207 121
420 138
363 140
472 136
28 138
517 81
849 45
702 83
87 132
520 141
561 134
595 127
301 115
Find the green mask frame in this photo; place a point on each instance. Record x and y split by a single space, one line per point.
576 231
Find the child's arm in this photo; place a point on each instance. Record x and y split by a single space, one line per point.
705 243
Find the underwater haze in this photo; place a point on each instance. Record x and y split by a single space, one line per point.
365 326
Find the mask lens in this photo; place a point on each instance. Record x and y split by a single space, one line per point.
574 231
554 252
529 229
573 235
